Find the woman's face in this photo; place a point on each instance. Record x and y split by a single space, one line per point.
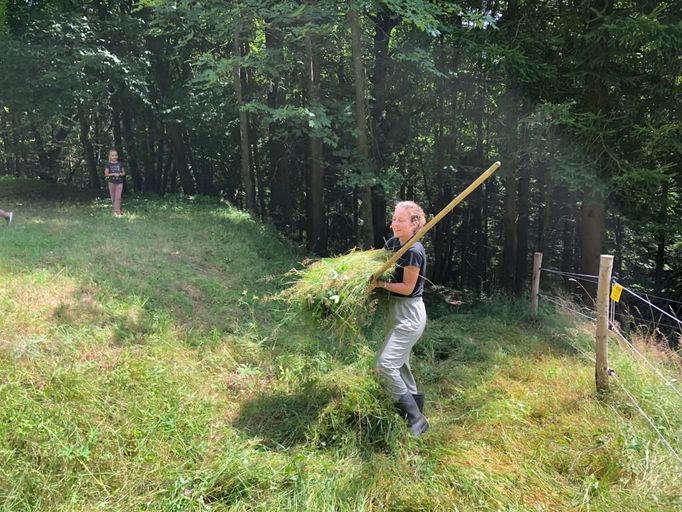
113 156
401 224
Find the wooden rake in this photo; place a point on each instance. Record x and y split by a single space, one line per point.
427 227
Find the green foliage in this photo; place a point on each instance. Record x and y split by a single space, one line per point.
3 16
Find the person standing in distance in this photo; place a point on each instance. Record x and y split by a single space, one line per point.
114 173
407 316
8 216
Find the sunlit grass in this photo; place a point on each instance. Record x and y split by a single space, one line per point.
142 369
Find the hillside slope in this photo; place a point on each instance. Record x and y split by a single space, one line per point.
144 367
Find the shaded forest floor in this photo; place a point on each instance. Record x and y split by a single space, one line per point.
143 366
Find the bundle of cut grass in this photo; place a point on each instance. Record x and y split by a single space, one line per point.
334 290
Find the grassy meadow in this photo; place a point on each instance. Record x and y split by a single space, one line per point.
144 366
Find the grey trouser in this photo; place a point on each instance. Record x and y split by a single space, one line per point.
407 318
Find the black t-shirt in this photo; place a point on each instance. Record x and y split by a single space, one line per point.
114 167
414 257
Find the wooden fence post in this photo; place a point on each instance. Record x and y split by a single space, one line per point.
535 285
602 364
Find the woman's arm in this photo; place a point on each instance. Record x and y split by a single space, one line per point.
410 276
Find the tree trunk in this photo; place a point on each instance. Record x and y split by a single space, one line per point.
88 152
478 265
247 178
162 74
592 227
384 23
522 228
5 151
509 103
149 184
509 253
544 212
16 146
441 230
257 169
160 155
317 237
154 164
179 152
47 156
279 179
465 253
131 147
172 176
367 232
591 234
194 163
661 238
443 237
567 240
166 174
487 283
116 123
618 241
479 198
660 260
96 136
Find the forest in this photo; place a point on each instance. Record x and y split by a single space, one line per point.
317 115
167 354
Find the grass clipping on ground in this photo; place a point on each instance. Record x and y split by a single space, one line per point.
334 290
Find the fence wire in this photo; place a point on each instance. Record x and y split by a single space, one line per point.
632 347
612 313
585 277
640 320
654 306
647 418
564 304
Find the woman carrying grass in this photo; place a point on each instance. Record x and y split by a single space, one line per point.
407 315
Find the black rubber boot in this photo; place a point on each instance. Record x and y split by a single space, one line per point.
419 398
409 409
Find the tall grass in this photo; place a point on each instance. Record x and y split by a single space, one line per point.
141 369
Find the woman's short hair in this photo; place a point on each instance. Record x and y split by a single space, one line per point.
417 217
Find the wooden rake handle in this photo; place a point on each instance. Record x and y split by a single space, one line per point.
427 227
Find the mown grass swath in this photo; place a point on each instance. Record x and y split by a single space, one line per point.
334 290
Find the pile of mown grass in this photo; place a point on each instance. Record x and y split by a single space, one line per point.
344 409
335 290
